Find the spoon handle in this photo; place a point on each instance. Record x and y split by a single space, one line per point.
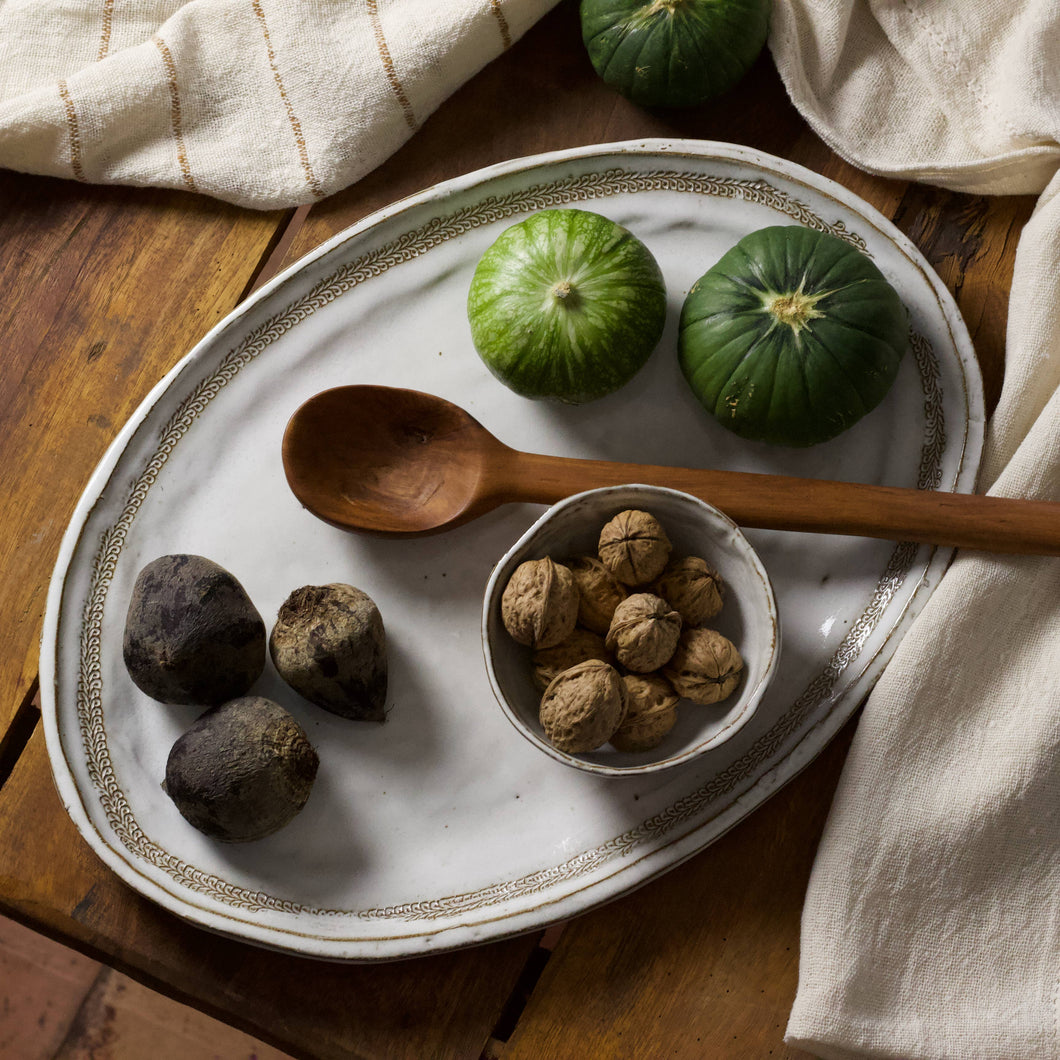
779 502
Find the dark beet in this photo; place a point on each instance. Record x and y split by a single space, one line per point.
192 634
242 771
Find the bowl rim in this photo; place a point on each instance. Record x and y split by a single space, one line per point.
753 696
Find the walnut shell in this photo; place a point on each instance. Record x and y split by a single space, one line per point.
644 632
583 706
599 592
634 547
651 712
706 666
581 645
539 606
692 588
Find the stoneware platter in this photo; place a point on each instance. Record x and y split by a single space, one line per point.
443 827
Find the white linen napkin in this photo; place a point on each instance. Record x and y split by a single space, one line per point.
932 921
263 103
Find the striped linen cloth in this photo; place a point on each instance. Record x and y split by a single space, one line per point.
262 103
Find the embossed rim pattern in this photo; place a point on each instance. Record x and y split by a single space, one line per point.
673 826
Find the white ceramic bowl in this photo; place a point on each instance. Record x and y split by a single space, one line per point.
748 618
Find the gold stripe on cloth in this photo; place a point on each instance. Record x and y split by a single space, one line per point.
292 118
72 131
108 18
388 64
175 119
502 22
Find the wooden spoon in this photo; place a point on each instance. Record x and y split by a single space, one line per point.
399 462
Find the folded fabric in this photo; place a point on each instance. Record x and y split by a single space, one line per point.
932 921
263 103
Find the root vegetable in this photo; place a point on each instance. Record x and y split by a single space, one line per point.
242 771
329 645
192 634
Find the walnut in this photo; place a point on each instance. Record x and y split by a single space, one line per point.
581 645
706 666
599 592
583 706
651 713
634 547
644 632
539 606
692 587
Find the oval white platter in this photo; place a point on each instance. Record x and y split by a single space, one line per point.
443 827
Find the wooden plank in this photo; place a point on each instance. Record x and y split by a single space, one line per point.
105 289
701 963
42 988
971 242
442 1006
123 1020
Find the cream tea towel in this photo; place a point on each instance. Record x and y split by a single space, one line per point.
263 103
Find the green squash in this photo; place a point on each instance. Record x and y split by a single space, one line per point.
792 336
673 53
566 304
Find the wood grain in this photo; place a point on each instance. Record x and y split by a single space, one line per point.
121 1019
105 290
971 242
42 988
443 1007
701 963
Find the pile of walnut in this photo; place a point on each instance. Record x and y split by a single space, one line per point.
618 638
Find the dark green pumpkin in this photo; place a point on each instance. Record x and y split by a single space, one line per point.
792 336
673 53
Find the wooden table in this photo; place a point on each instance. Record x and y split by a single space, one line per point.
103 290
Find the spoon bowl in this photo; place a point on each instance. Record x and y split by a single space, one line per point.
384 460
387 461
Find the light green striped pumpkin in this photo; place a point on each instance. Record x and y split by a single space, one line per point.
566 304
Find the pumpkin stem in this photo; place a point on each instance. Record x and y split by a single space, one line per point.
794 309
562 289
669 6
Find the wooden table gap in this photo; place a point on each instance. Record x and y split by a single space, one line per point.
272 260
20 730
